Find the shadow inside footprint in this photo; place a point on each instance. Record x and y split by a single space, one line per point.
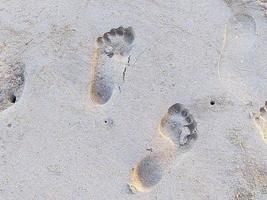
147 174
101 91
112 49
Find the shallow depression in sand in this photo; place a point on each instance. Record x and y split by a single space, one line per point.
237 70
241 32
179 128
11 83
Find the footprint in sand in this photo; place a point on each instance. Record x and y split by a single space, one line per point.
241 33
240 30
11 83
111 53
241 68
260 120
237 64
179 128
234 66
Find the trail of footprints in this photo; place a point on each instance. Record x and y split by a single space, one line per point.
179 128
111 54
11 83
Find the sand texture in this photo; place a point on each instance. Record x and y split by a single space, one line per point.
140 99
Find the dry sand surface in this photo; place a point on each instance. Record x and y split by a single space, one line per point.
141 99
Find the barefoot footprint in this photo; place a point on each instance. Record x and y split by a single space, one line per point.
234 66
260 120
241 33
112 51
11 84
179 128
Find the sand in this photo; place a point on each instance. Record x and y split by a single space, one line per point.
57 143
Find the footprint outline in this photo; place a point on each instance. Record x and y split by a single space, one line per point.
149 170
111 49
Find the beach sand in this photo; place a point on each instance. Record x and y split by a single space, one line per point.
65 136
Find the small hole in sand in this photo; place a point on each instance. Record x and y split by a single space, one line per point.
108 122
12 98
212 102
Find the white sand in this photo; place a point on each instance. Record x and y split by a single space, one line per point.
55 143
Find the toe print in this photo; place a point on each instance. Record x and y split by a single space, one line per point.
179 128
11 84
178 125
260 120
112 51
117 42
